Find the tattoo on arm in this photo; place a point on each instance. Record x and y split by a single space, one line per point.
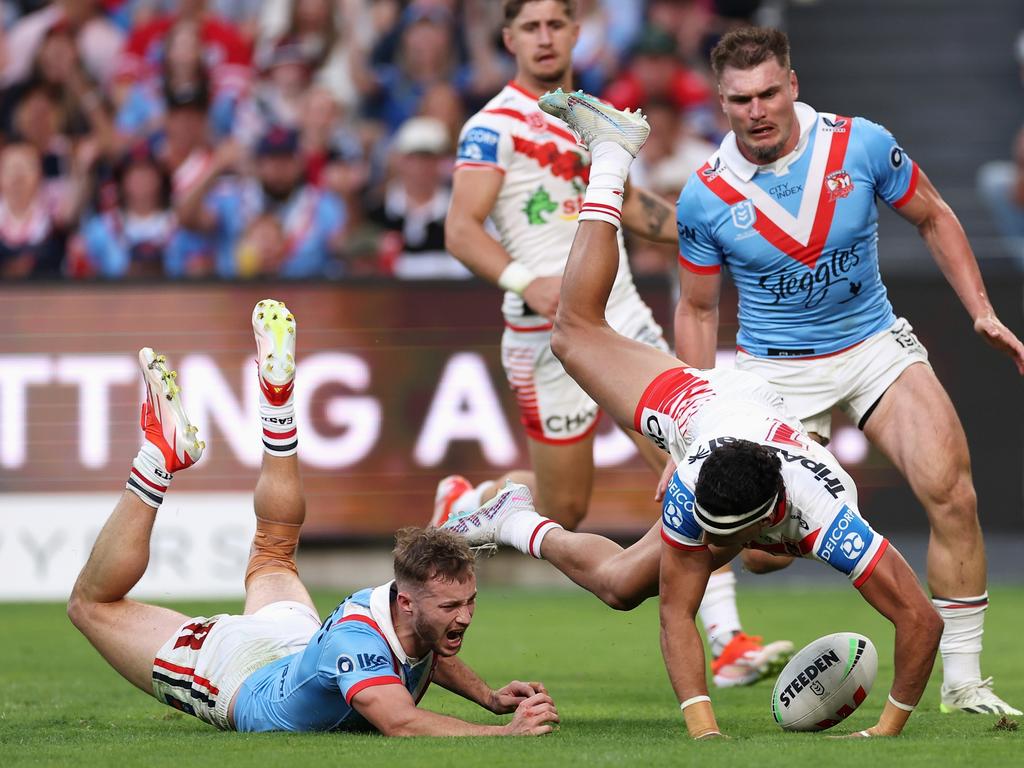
656 212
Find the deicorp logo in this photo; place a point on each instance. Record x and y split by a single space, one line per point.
846 541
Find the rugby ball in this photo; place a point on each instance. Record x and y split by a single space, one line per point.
824 682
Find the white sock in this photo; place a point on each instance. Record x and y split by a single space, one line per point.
525 530
471 499
609 167
149 478
718 611
960 645
278 423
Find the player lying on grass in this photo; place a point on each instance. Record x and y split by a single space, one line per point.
277 667
747 474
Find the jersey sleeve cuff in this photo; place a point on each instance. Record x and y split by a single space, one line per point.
369 682
915 173
870 568
680 545
699 269
475 165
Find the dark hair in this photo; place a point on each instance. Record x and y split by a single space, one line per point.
737 477
746 47
422 554
512 8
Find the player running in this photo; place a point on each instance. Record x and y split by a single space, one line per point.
747 475
528 174
277 667
789 202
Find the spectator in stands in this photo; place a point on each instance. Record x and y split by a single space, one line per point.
33 226
415 204
655 73
278 97
1001 186
182 69
97 39
130 238
311 219
330 33
227 54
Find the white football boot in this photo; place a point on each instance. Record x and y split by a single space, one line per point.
163 416
274 328
594 121
977 698
482 528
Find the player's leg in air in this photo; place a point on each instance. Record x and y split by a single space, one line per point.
615 371
127 633
279 501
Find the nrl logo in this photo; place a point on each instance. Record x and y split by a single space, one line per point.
743 214
834 126
839 184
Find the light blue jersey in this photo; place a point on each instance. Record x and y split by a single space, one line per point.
800 235
356 648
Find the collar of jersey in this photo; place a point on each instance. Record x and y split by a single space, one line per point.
738 164
380 610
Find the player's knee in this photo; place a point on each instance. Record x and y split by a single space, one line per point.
568 512
273 549
622 600
956 507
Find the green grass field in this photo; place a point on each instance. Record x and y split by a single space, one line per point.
61 705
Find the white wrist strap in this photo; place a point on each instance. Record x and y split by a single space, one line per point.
515 278
694 700
900 705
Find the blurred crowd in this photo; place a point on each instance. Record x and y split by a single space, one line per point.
293 138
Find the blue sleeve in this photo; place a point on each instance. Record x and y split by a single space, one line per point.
893 172
678 525
357 658
850 545
698 249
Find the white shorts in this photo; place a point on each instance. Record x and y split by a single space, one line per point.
200 668
552 406
854 379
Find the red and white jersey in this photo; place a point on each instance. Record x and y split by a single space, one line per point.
546 173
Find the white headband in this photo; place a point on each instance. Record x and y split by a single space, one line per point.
725 525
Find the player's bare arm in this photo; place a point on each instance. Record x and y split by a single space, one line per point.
649 215
893 590
458 677
474 192
696 317
684 575
392 711
940 228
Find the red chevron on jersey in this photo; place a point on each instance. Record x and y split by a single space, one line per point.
781 233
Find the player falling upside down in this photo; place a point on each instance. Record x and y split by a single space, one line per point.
748 477
527 174
277 668
814 317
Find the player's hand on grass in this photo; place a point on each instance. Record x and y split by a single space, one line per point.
992 330
873 731
666 478
534 716
506 699
542 295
